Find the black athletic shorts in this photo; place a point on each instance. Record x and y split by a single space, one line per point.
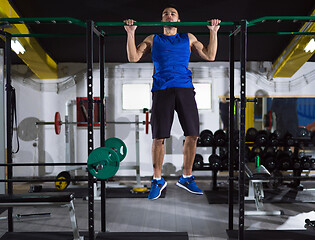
165 101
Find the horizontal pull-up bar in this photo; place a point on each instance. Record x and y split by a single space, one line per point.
219 33
67 20
44 35
103 24
281 18
46 20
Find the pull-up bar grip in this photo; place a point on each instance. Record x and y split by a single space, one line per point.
103 24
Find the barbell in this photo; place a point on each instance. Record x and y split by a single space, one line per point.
58 123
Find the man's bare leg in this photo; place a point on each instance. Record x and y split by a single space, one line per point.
189 151
157 156
158 183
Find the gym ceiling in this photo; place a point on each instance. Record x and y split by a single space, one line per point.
72 49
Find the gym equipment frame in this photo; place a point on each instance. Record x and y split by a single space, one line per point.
92 28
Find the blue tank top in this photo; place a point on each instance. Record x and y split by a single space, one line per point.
170 56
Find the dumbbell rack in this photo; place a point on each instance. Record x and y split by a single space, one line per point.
207 166
297 143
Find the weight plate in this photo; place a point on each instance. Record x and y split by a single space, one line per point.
140 189
118 146
61 185
27 129
57 123
103 162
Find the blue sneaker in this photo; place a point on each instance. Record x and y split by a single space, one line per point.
157 187
189 184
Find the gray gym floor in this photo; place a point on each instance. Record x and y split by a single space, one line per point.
179 211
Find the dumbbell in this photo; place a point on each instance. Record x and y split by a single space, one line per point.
303 137
302 132
283 160
288 139
251 134
215 162
306 163
261 138
269 162
297 163
269 157
274 138
206 138
219 138
198 162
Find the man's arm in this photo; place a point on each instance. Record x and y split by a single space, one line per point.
207 53
135 53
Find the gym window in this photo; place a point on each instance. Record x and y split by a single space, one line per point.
136 96
203 95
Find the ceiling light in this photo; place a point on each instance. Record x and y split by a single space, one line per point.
17 47
310 47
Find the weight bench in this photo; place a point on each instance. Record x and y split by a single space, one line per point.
44 199
257 176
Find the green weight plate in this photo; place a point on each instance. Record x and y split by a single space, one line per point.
118 146
103 163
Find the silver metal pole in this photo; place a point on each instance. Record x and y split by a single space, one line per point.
137 152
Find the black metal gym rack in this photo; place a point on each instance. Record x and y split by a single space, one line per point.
91 29
242 31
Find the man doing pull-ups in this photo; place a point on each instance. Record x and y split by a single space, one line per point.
172 91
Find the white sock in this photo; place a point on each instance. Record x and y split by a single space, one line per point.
158 179
187 176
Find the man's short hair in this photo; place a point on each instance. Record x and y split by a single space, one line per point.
170 5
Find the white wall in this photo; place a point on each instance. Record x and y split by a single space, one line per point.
42 103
